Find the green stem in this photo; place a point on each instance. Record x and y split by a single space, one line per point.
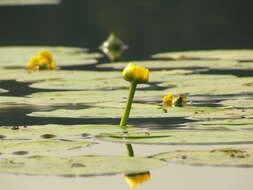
130 150
126 113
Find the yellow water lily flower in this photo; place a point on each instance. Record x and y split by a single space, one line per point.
138 178
43 61
135 73
171 100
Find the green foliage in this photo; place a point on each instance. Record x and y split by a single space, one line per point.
77 165
216 157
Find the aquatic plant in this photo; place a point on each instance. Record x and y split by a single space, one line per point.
43 61
137 178
135 75
171 100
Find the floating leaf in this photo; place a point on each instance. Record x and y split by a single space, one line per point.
18 56
240 103
59 131
173 65
38 145
182 137
99 83
217 157
239 123
77 165
240 54
199 84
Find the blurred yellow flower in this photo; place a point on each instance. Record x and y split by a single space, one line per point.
43 61
171 100
137 178
135 73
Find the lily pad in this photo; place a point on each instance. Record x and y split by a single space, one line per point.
239 123
224 114
39 145
58 131
77 165
18 56
209 85
99 83
174 65
75 97
183 137
226 54
218 157
241 103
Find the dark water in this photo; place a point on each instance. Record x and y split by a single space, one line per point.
147 26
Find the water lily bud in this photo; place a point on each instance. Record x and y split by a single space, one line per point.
135 73
43 61
171 100
138 178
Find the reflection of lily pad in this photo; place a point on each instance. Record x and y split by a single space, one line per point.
241 54
217 157
38 145
182 137
77 165
18 56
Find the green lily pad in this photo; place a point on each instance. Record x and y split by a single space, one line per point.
18 56
210 85
77 165
76 97
186 137
58 131
224 114
99 83
241 123
174 65
240 54
218 157
242 103
39 145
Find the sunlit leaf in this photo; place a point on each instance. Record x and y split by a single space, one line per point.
236 54
77 165
217 157
182 137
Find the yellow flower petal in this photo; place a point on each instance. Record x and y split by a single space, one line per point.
43 61
135 73
134 179
171 100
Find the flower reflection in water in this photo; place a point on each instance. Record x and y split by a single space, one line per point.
134 179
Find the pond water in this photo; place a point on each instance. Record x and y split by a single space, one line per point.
72 114
22 113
